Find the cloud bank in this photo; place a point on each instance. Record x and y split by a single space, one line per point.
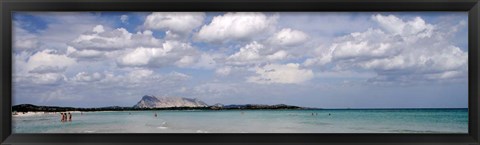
66 58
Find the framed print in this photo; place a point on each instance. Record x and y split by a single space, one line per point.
352 72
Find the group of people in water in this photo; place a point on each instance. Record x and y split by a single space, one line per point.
66 117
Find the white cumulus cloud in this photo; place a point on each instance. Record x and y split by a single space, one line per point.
248 54
48 61
290 73
403 50
170 53
45 67
88 77
87 54
254 53
395 25
236 26
288 37
110 40
178 22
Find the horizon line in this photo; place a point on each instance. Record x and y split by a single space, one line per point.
342 108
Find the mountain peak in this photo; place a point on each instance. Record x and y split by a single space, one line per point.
149 97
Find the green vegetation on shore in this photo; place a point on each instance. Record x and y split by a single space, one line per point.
34 108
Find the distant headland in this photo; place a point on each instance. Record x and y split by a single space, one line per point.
149 102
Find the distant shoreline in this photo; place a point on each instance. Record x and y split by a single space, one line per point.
34 108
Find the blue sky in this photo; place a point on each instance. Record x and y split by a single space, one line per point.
314 59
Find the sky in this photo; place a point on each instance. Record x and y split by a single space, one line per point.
310 59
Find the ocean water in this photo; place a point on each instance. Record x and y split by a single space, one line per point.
252 121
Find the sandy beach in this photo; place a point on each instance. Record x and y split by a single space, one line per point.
24 114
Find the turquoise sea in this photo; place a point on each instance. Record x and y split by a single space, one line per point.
251 121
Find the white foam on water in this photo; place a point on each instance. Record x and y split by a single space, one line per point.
201 131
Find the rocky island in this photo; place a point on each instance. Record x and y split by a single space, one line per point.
149 101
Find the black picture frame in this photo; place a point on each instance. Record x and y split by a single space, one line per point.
9 6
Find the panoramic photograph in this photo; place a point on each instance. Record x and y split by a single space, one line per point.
240 72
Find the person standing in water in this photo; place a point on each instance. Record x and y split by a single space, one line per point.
61 114
64 117
155 114
69 116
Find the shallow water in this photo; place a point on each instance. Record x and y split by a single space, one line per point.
252 121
